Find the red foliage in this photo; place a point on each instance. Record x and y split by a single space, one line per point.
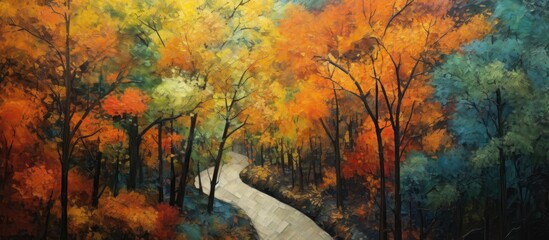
363 160
166 221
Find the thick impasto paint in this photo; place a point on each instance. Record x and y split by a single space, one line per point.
373 119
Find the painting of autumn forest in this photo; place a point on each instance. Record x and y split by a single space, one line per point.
274 119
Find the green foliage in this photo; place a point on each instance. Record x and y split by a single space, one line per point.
486 156
512 62
443 196
178 94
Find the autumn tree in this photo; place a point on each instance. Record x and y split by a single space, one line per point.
65 34
374 63
205 49
180 94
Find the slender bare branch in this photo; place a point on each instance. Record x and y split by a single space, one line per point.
406 5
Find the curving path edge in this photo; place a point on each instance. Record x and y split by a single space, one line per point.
271 218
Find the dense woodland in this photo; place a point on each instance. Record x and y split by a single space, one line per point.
417 119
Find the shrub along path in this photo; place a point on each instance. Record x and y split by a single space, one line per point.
271 218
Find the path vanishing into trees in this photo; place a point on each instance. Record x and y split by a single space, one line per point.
271 218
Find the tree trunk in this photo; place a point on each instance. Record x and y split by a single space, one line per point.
186 163
502 169
172 181
261 156
141 176
96 176
320 153
421 225
172 169
350 133
282 157
200 189
310 169
213 182
337 148
300 167
133 145
383 206
48 214
160 166
66 130
291 164
312 160
398 199
486 221
115 178
337 151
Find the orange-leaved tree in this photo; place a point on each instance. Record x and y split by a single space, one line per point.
74 41
380 52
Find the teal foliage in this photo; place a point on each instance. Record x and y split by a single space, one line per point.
514 61
309 4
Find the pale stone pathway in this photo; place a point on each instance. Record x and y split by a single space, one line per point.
271 218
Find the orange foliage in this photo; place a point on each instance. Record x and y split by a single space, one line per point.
167 140
111 135
365 39
129 212
132 102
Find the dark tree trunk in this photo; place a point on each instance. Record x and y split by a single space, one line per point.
282 157
300 167
291 164
96 176
141 178
487 221
172 181
320 154
213 182
160 166
502 169
200 189
311 162
460 219
421 225
66 131
186 163
309 169
262 159
133 145
172 169
115 177
48 214
335 138
350 133
398 200
383 206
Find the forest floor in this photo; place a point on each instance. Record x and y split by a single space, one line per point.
271 218
317 202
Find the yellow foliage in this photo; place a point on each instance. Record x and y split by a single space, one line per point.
79 219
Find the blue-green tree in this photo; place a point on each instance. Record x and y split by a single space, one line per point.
498 88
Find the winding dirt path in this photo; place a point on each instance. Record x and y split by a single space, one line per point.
271 218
